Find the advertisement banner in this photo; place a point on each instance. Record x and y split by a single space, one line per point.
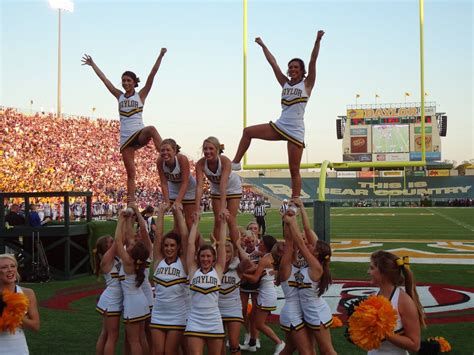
357 157
419 173
428 129
358 144
395 173
428 145
346 174
390 112
430 156
358 131
367 174
444 172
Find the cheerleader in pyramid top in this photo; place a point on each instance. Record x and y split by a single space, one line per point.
133 133
205 269
226 187
390 272
177 184
297 89
267 297
16 343
135 302
291 315
313 280
110 303
170 308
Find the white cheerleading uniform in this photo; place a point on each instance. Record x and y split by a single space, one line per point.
291 315
316 311
135 302
290 125
230 304
131 121
234 185
386 347
267 296
111 300
146 286
204 319
170 308
175 178
14 343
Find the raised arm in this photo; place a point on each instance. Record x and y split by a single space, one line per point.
199 184
311 236
285 262
163 181
87 60
185 172
191 250
220 263
315 267
226 170
311 78
281 78
107 261
143 232
120 239
149 81
182 228
157 254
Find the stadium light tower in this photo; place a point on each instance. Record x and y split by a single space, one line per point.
60 5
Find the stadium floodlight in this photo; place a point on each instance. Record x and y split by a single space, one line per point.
60 5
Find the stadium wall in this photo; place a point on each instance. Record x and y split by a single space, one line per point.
410 188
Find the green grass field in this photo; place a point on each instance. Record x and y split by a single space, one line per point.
75 331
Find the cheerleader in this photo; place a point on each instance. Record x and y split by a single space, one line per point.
389 272
16 343
204 324
135 302
110 303
170 308
297 89
291 315
267 297
133 134
226 187
314 279
177 184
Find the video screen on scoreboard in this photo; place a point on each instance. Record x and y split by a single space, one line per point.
391 138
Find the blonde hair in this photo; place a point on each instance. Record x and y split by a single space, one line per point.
12 258
215 142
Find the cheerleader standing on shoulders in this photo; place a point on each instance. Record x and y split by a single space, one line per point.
205 273
314 279
170 309
135 302
133 133
291 316
16 343
267 297
177 184
110 303
388 272
226 187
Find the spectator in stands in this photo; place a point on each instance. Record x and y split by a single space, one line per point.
14 218
259 213
147 214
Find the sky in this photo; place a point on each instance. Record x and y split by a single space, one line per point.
369 47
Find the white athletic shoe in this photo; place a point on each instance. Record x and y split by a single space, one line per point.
250 348
236 166
247 338
258 343
279 348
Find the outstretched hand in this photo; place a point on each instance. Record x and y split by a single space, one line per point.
259 41
87 60
320 35
163 51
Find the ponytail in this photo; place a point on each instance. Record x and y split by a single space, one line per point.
139 272
139 254
410 287
324 257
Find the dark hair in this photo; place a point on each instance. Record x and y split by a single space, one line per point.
133 76
99 251
387 265
139 254
301 63
269 242
324 256
175 146
206 247
172 235
148 209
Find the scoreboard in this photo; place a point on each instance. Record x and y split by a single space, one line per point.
389 132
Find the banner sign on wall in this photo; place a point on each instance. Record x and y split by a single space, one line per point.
358 144
357 157
430 156
346 174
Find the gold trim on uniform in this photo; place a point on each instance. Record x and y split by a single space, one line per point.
229 290
271 309
131 113
232 319
205 335
318 327
164 283
286 136
204 291
185 202
290 329
167 327
294 101
129 140
108 314
137 319
294 284
228 197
